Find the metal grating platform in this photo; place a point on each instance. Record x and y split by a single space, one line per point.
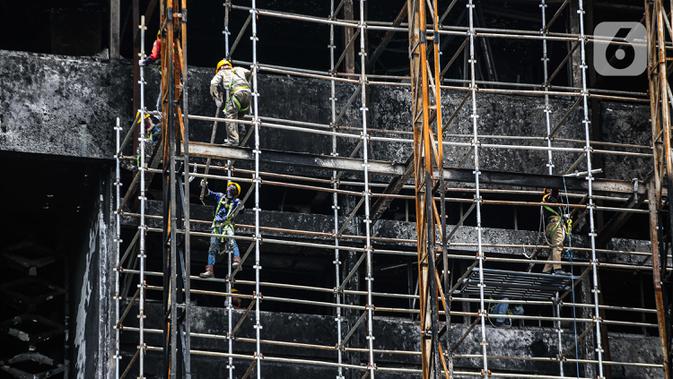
515 285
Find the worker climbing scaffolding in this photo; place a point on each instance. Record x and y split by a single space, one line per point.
152 124
156 51
155 56
231 87
558 227
228 206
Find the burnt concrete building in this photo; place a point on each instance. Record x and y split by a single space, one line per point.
369 122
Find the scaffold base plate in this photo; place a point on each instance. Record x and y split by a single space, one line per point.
499 284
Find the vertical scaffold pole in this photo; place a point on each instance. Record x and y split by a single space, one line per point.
367 194
428 158
117 241
142 227
550 162
658 92
230 305
226 32
185 198
590 200
477 197
545 85
257 182
335 197
176 349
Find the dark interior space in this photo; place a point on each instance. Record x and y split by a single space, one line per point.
42 247
81 28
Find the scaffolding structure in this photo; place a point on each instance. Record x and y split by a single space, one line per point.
458 281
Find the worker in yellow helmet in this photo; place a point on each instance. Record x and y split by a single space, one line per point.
234 81
227 208
558 226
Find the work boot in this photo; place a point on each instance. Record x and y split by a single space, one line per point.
236 262
208 273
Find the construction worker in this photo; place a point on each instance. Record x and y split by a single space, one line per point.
504 308
152 124
558 226
235 299
156 51
236 82
154 57
228 206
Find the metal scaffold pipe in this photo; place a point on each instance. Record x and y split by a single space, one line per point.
369 274
142 227
257 183
590 200
335 197
360 179
185 194
477 197
117 244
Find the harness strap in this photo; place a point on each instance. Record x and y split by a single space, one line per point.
238 104
547 207
217 210
239 89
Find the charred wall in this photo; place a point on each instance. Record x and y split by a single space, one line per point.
67 106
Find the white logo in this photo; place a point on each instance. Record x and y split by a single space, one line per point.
626 54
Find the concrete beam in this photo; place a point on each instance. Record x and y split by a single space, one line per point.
114 29
397 229
464 175
66 106
394 334
62 106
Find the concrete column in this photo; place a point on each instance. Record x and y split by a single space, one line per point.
349 60
114 29
574 73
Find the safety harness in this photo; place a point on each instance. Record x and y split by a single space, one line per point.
227 205
236 89
567 225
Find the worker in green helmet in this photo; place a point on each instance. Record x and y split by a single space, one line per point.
234 81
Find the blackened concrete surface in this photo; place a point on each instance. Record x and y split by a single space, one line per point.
61 105
404 230
67 106
390 334
92 280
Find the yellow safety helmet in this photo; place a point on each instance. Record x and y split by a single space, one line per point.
223 62
238 187
146 115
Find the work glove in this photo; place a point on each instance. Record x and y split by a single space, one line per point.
214 93
203 183
218 103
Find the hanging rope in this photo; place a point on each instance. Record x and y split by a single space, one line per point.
572 272
542 230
